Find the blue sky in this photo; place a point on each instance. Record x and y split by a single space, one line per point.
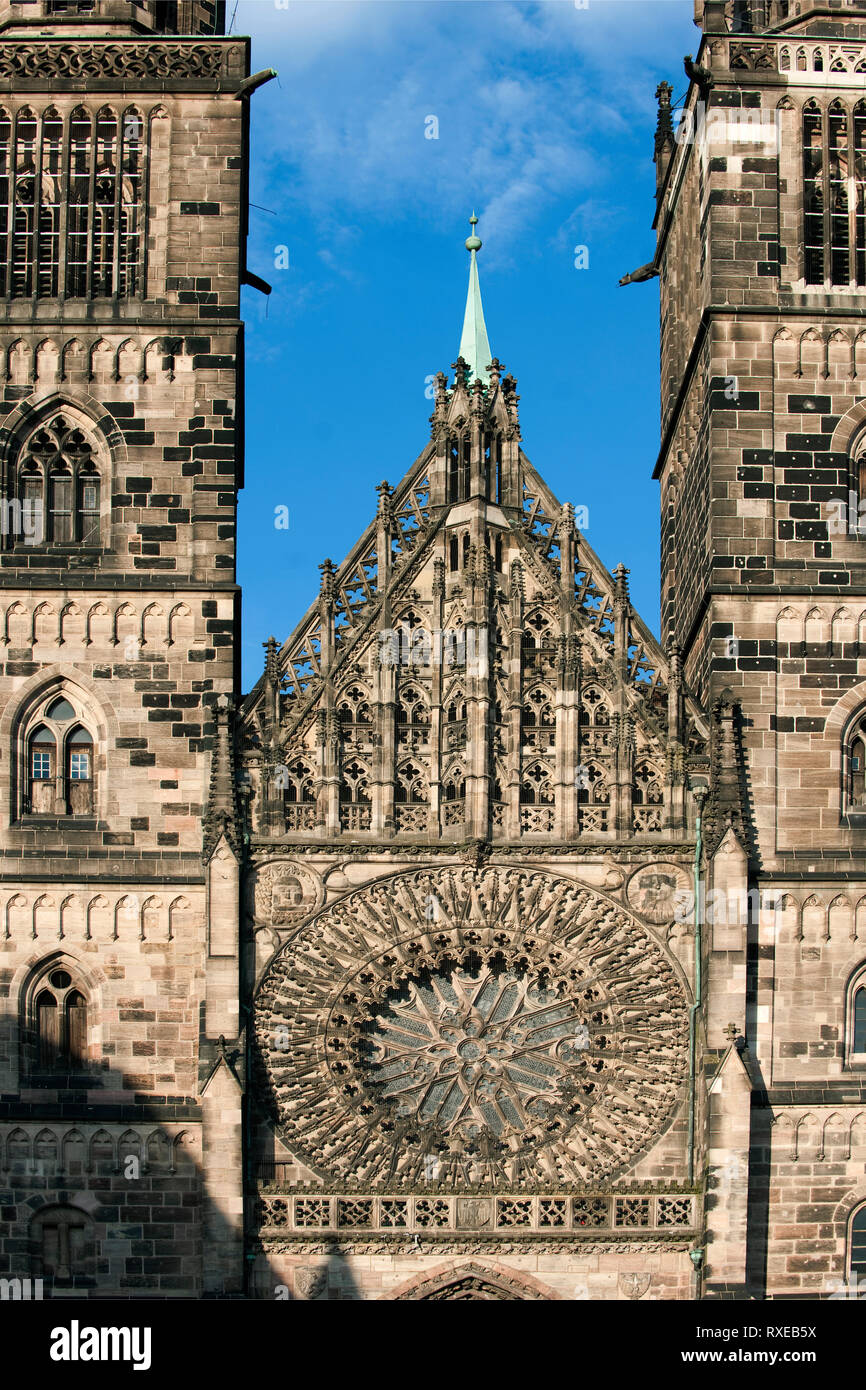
546 114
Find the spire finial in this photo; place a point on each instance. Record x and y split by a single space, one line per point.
473 242
474 344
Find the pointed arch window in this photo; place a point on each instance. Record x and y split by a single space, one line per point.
538 720
647 798
410 787
59 1018
459 467
300 796
493 462
59 773
854 764
413 719
355 800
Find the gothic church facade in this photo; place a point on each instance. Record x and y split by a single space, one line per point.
486 949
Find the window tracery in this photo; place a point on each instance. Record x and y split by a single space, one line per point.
56 1022
355 798
59 485
647 798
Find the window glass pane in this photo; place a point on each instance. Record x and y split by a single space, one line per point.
860 1020
60 710
79 767
41 765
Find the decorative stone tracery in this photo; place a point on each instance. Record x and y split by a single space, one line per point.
488 1028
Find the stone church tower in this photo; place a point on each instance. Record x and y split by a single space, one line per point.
123 131
761 221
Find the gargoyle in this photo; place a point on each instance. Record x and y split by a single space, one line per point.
643 272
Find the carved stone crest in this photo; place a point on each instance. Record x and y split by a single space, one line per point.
659 892
634 1285
311 1281
284 893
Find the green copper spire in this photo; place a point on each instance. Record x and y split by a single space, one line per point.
474 345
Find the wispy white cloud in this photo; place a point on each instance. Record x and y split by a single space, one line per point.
514 87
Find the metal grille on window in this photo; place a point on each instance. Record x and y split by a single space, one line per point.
834 194
840 271
858 1245
813 193
860 191
71 204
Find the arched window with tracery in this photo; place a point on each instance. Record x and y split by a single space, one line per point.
78 212
647 797
131 207
538 648
593 797
453 798
593 719
355 718
411 798
413 719
59 487
536 799
355 799
538 720
56 1028
493 466
299 795
59 777
459 456
455 721
48 245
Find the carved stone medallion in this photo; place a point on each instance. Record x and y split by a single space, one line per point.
285 892
660 892
507 1026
